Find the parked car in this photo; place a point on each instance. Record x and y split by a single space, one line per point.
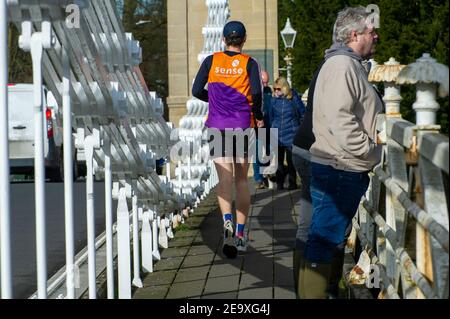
21 133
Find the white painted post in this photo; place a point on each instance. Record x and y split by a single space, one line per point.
180 178
39 168
189 172
5 231
426 105
109 220
168 171
169 231
68 178
90 213
123 246
146 243
36 42
137 282
155 253
162 234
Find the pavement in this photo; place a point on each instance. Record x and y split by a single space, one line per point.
194 266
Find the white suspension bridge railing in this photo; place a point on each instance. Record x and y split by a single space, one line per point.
401 232
81 52
193 164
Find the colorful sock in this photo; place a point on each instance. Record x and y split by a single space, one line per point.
240 230
227 216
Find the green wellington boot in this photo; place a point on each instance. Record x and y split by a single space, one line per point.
314 279
298 263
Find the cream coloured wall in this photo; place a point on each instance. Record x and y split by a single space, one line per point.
185 20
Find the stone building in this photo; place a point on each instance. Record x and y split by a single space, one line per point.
185 20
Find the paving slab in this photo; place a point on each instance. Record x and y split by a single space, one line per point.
191 274
156 292
200 249
283 275
250 280
159 278
256 293
198 260
182 290
224 295
284 292
174 252
227 268
168 263
222 284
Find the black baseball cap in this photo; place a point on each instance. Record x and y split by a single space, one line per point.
236 27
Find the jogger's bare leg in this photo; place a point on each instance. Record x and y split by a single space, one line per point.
224 188
242 192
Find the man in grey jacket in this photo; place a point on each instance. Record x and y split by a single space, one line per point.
345 149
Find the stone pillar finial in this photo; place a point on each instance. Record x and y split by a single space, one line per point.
426 73
388 73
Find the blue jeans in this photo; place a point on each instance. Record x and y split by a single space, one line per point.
303 167
256 174
335 197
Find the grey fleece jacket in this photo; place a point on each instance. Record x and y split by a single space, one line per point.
345 110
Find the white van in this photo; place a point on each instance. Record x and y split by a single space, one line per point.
21 133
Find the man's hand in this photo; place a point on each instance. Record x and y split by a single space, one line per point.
260 123
381 137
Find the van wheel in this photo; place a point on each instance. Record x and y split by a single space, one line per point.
81 168
56 174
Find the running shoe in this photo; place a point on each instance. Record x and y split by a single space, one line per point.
229 248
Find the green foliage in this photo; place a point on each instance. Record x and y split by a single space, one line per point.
152 36
19 70
407 30
183 227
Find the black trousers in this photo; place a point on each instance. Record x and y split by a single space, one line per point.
282 170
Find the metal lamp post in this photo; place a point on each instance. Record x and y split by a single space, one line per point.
288 35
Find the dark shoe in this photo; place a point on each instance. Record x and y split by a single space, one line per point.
292 187
280 187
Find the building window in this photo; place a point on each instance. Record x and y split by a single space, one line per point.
265 60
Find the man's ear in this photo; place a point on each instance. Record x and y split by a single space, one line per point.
354 36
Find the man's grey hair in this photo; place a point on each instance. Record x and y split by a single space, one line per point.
351 18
